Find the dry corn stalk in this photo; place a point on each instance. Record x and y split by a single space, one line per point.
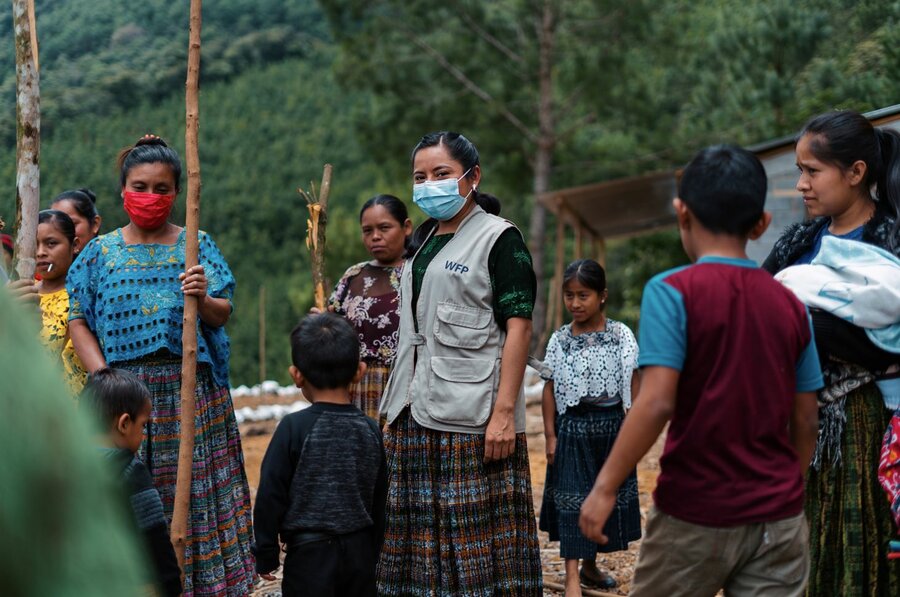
317 203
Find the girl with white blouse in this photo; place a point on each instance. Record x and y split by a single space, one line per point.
591 375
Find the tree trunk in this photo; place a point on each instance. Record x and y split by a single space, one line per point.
28 140
181 513
543 168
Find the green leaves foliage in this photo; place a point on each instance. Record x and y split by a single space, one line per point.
288 85
262 134
103 56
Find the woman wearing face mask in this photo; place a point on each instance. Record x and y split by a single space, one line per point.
460 516
127 293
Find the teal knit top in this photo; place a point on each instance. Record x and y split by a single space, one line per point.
131 299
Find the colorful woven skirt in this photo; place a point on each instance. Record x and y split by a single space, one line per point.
366 395
455 525
584 439
218 560
850 520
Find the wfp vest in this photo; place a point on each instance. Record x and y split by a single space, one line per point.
448 371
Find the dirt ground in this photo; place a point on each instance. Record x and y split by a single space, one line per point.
255 438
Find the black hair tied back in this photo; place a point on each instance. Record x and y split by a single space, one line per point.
843 137
149 149
83 200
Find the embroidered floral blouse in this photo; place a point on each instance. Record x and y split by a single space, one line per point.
594 367
55 336
368 296
130 297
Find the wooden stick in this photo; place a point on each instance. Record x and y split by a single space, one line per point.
315 233
28 141
181 513
555 586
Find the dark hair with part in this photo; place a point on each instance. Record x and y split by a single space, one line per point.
84 200
463 151
395 207
110 393
843 137
588 273
149 149
60 220
325 348
724 186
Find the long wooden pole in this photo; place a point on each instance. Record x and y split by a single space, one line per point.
181 513
262 334
28 139
560 266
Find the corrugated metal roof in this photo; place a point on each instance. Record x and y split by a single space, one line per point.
626 206
619 207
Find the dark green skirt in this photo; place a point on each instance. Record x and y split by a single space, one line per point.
849 516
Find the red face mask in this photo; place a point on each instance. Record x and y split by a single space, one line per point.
148 210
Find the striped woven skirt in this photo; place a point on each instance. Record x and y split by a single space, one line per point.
849 516
584 439
218 561
366 394
455 525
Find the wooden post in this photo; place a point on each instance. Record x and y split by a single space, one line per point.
600 250
181 512
315 232
579 240
553 295
560 266
28 139
262 334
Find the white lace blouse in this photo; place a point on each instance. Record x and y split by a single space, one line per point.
594 367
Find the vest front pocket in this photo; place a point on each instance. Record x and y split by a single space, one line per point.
460 326
461 391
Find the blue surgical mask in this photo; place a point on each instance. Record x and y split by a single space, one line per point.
440 199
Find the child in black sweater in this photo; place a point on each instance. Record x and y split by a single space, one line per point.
323 484
121 402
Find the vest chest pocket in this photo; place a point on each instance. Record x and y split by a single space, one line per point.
459 326
461 390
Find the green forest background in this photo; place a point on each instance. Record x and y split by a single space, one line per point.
288 85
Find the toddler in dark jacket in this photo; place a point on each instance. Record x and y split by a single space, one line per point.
323 484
